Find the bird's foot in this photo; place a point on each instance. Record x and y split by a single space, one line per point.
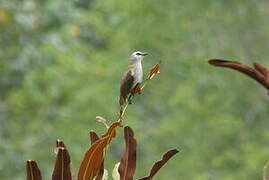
130 101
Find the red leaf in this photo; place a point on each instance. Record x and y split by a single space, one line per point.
128 160
263 70
94 137
62 169
32 170
95 155
258 73
155 70
60 143
158 165
136 90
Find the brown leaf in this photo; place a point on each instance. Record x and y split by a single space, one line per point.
32 170
60 143
128 160
263 70
155 70
136 90
94 137
233 65
258 73
158 165
95 155
219 62
62 169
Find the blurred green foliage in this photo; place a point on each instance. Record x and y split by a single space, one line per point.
61 63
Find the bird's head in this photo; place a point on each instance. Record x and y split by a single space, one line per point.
138 56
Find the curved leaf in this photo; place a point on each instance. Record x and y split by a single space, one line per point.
258 72
94 137
158 165
102 120
32 171
60 143
62 169
95 155
128 160
155 70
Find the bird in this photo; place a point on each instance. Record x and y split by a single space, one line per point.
132 78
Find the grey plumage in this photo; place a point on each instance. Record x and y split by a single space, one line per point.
132 77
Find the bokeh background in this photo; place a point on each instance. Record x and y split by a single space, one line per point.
61 63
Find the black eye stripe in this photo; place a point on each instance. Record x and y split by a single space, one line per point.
138 54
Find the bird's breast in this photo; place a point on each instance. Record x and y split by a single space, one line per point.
138 73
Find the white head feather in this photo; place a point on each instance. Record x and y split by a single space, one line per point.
138 55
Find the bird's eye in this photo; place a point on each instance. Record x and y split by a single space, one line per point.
138 54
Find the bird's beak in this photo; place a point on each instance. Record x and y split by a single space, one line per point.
145 54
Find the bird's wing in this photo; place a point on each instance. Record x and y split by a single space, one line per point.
127 84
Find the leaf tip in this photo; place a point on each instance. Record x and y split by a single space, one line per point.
102 120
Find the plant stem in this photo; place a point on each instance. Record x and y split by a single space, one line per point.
127 103
123 111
